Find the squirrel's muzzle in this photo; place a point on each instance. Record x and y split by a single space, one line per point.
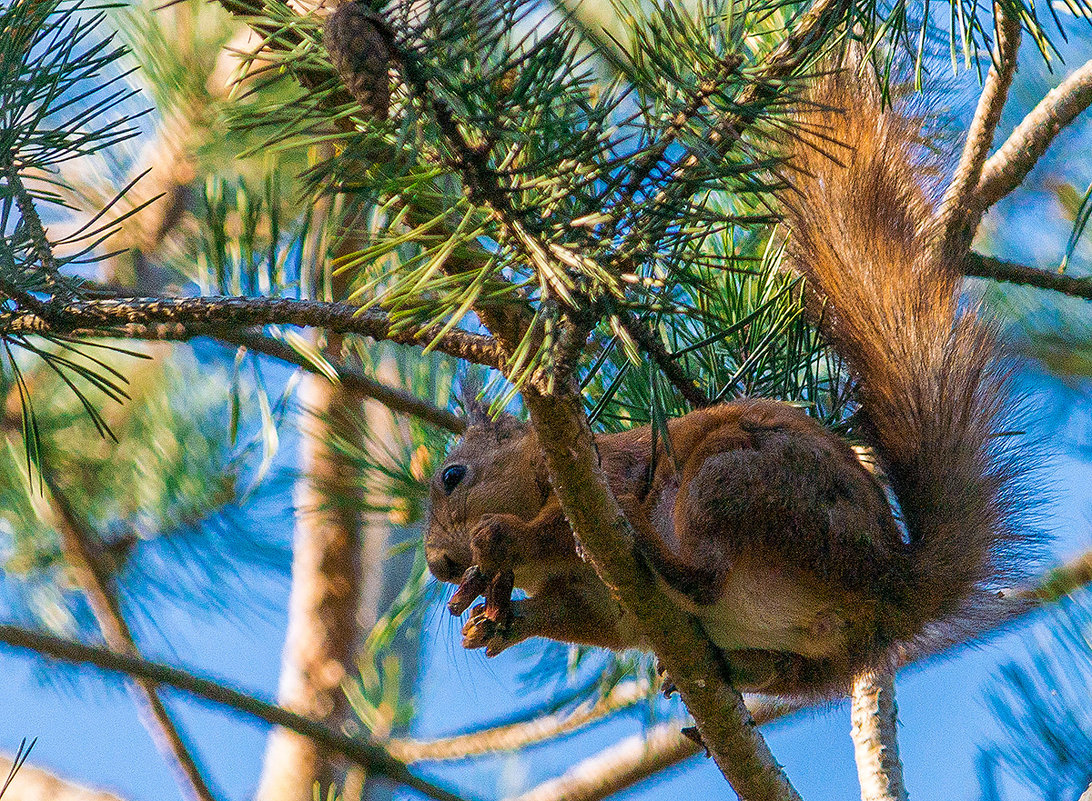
442 566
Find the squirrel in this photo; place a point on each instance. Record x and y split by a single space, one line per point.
761 523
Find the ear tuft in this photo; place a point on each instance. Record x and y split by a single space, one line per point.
477 413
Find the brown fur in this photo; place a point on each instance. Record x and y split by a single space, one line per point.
761 523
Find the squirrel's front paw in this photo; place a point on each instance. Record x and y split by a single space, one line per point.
482 631
493 542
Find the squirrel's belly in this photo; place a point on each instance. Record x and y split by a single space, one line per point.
768 608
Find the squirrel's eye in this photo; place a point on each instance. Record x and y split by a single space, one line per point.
452 476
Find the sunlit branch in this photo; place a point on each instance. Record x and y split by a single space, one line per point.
630 761
519 735
959 210
184 318
1006 169
31 783
874 717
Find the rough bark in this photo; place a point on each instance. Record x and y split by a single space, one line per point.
874 715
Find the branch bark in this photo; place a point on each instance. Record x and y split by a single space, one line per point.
960 208
326 584
981 266
185 318
519 735
874 722
603 531
1006 169
360 751
352 379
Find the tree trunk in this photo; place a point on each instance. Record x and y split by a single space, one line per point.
322 612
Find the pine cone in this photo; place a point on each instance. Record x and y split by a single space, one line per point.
359 43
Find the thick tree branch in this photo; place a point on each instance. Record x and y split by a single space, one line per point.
691 660
1006 169
981 266
357 750
960 210
184 318
874 720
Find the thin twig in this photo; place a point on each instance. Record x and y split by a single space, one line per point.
184 318
729 128
1006 169
352 378
960 210
874 721
981 266
518 735
357 750
654 347
80 550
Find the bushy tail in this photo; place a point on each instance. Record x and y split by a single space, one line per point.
935 396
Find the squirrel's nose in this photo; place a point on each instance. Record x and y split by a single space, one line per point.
444 567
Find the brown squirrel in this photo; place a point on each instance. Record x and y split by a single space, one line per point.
764 525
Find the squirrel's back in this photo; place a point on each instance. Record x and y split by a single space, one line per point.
934 393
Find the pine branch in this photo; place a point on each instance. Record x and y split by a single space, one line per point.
960 211
616 768
353 379
674 373
979 266
693 663
631 761
80 551
184 318
874 716
357 750
519 735
1006 169
794 52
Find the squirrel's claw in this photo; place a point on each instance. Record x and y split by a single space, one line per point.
471 586
480 631
498 598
